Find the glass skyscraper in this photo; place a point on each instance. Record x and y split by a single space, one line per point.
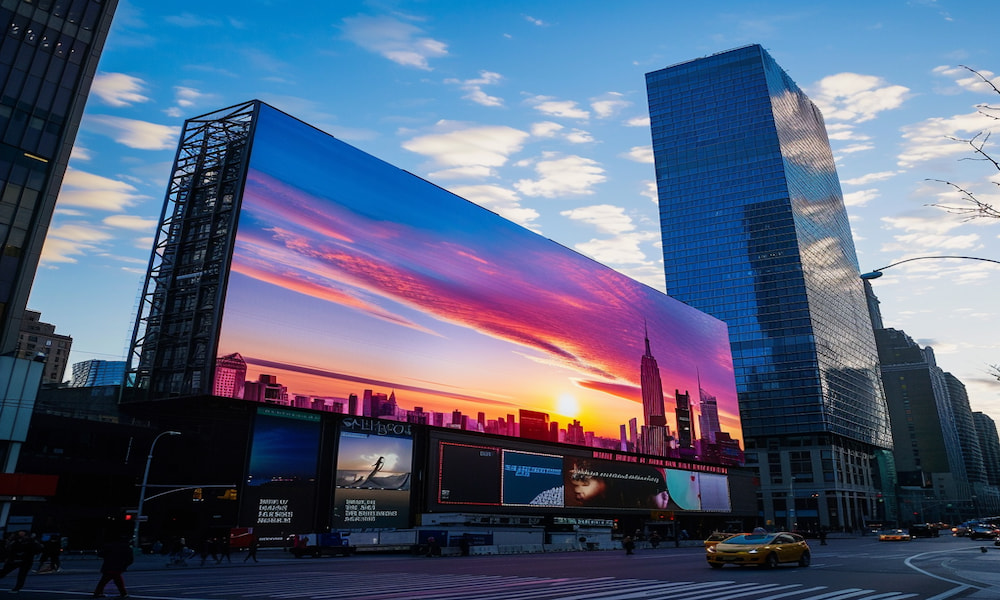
755 233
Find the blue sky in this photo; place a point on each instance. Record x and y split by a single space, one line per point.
537 111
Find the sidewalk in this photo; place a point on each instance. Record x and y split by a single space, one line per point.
91 563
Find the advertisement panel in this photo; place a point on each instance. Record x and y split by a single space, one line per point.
374 473
475 475
279 497
358 287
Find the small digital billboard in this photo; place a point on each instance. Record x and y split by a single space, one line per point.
532 479
354 283
372 483
468 474
279 496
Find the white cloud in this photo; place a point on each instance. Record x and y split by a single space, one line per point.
545 129
856 148
474 88
649 191
861 197
638 122
64 243
933 138
906 243
118 89
605 217
535 21
938 224
567 109
563 176
141 135
845 132
967 80
461 146
609 104
619 250
857 98
579 136
402 43
870 177
500 200
132 222
640 154
84 189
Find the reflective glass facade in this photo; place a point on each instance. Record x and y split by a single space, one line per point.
756 234
48 54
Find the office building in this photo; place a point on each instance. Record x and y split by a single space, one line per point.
48 57
989 443
91 373
755 233
38 341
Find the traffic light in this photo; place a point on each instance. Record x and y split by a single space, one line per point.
129 517
196 495
229 494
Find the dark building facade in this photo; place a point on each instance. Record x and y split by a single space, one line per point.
989 443
48 57
755 233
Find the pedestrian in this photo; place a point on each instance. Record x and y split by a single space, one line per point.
252 549
117 555
822 536
51 548
628 544
224 549
433 548
209 546
654 539
465 545
21 551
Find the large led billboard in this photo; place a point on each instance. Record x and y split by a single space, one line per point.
360 287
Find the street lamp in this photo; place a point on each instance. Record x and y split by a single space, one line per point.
878 272
791 503
142 489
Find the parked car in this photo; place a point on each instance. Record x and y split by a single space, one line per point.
893 535
923 530
767 550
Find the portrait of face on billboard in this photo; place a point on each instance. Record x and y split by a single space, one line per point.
609 484
359 287
372 480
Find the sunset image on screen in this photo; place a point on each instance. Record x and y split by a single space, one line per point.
359 288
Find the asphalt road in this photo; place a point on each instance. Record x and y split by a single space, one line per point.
846 569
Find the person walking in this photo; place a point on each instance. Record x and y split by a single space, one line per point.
21 551
252 549
51 549
629 544
117 555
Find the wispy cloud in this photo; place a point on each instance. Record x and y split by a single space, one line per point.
141 135
119 89
562 176
87 190
534 21
936 138
463 150
474 88
605 217
642 121
567 109
503 201
870 177
65 243
402 43
640 154
860 197
132 222
622 249
185 98
609 104
967 80
856 98
189 20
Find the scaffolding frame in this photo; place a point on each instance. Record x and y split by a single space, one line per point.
175 336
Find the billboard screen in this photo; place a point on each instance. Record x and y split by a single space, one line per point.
279 497
374 471
475 475
359 287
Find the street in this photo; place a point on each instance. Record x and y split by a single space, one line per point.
850 568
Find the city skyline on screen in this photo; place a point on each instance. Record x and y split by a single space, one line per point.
349 274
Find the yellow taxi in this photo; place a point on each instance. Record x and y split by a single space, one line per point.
767 550
716 537
893 535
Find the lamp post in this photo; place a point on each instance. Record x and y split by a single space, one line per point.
791 503
878 272
142 489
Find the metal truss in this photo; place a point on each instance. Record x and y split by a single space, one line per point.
173 347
